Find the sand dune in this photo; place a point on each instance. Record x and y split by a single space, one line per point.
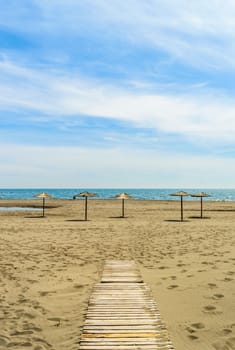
49 266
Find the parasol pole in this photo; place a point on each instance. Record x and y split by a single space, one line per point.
201 207
43 206
182 208
123 207
85 208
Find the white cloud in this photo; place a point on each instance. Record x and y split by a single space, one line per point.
198 33
198 113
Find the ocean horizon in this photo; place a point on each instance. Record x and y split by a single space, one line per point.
108 193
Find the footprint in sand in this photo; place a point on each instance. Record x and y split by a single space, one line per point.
44 293
227 279
190 330
212 285
79 286
198 325
226 331
173 286
56 320
193 337
173 277
205 263
231 273
191 334
22 299
218 296
211 309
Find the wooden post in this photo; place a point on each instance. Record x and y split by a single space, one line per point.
85 208
182 208
43 205
201 207
123 207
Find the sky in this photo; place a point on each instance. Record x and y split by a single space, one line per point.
100 93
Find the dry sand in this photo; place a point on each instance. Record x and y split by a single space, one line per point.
49 266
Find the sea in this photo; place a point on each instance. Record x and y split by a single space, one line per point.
108 193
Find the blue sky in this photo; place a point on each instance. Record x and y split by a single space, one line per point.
100 93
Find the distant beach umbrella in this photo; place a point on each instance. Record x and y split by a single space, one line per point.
200 195
85 195
181 194
123 196
43 195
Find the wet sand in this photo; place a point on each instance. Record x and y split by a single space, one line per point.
49 266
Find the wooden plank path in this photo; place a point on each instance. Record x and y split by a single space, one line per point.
122 314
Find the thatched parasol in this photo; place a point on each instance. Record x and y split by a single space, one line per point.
123 196
85 195
200 195
43 195
181 194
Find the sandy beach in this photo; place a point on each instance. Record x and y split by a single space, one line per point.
49 266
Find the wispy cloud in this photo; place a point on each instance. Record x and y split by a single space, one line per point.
198 113
196 33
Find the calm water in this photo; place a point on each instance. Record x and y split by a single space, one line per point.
18 208
150 194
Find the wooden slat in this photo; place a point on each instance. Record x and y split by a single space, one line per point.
121 313
133 346
120 328
123 347
125 332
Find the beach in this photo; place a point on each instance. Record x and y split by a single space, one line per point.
49 266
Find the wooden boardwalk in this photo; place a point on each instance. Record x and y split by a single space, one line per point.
122 314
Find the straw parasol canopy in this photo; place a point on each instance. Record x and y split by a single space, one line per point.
200 195
43 195
123 196
181 194
85 195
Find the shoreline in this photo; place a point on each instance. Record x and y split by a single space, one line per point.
20 201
